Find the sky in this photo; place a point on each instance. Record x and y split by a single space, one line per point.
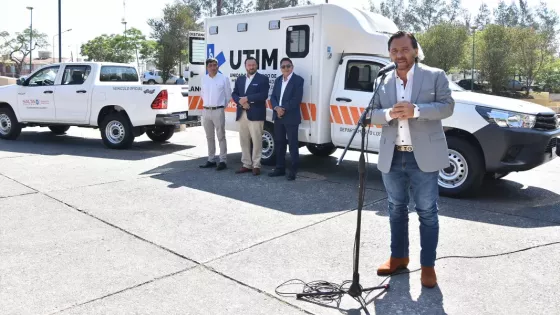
91 18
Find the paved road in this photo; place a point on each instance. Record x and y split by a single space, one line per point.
86 230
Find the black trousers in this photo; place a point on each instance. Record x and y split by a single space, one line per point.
281 132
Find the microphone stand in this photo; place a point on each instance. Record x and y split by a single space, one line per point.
356 289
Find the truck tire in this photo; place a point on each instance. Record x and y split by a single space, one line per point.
466 171
161 133
268 156
116 131
10 127
321 149
59 130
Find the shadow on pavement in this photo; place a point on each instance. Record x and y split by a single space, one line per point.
304 196
47 143
398 300
318 189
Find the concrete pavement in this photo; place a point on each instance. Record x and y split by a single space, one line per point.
87 230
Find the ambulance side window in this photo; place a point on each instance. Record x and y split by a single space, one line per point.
360 75
297 41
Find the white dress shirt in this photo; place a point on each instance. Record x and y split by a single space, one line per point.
215 91
248 81
284 84
404 93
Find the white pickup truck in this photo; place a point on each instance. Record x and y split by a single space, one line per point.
108 96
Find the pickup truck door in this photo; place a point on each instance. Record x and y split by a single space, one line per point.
73 95
351 95
197 69
36 96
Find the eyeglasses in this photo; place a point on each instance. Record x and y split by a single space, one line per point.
286 66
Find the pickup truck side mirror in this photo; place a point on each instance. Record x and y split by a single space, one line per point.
21 81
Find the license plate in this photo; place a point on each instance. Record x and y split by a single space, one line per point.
182 116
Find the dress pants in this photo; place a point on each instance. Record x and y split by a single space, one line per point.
214 122
250 131
281 132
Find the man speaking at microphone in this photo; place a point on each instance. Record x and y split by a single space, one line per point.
410 104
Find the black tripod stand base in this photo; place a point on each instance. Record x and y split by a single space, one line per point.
340 292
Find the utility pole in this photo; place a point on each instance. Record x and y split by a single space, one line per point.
472 69
31 42
59 31
219 7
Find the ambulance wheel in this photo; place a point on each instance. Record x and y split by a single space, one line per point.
268 156
466 169
321 149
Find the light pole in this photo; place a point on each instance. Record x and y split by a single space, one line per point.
31 41
472 69
124 22
55 35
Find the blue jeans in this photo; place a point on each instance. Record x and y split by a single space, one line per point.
403 175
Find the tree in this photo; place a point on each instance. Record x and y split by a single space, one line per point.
435 44
425 14
18 47
261 5
392 9
550 75
483 17
531 52
495 55
114 47
171 34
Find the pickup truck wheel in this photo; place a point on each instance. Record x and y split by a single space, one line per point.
59 130
321 149
268 156
10 128
116 131
161 133
466 169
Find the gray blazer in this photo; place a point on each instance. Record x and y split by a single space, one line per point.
432 95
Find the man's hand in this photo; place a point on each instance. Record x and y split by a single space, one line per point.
280 111
243 100
402 110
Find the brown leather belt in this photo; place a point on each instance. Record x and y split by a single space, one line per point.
404 148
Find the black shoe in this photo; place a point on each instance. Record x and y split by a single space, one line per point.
291 176
221 166
208 165
277 172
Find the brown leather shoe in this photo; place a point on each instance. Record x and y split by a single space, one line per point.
392 265
428 277
243 170
256 171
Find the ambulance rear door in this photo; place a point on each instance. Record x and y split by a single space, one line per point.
197 69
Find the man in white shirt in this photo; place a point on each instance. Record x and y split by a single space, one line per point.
411 103
215 93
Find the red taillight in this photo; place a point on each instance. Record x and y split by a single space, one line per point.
161 100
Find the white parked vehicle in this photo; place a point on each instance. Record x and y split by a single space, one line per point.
108 96
154 77
487 136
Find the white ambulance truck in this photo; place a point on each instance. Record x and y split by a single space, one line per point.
487 136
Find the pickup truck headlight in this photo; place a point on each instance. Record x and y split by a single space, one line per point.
504 118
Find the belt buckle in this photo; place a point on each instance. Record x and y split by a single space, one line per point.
405 148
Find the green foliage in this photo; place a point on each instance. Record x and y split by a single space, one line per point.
531 52
495 51
550 74
114 47
171 35
435 44
18 46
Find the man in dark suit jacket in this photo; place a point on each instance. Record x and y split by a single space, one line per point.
286 99
250 94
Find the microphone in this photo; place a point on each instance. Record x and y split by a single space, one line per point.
387 68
